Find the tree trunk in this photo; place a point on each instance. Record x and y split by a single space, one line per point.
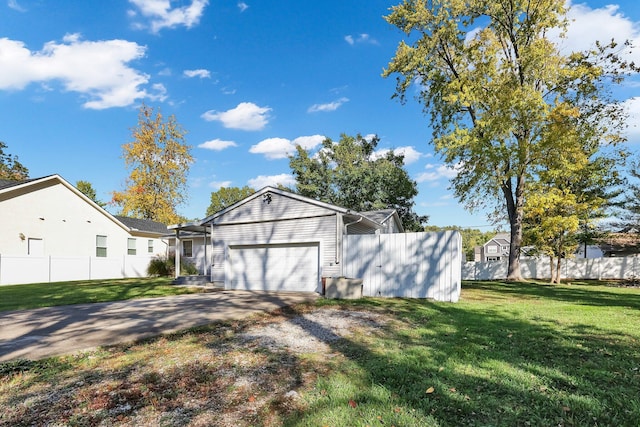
515 209
552 269
558 270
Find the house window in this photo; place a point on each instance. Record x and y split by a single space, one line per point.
150 246
36 247
101 246
131 246
187 248
492 249
493 258
505 248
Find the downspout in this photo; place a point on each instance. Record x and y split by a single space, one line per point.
346 232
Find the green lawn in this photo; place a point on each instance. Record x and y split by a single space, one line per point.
18 297
508 354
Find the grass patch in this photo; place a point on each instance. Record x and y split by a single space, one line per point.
507 354
19 297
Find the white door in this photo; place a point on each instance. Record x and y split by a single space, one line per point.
285 267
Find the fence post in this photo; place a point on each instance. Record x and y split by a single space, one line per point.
49 268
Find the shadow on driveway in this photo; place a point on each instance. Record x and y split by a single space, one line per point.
44 332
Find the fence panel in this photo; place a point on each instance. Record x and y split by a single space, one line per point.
414 265
16 270
539 268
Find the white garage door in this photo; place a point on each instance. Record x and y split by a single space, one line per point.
286 267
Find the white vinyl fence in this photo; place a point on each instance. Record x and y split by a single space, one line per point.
412 265
538 268
29 269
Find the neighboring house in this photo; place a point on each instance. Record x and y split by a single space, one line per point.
278 240
48 216
496 249
620 244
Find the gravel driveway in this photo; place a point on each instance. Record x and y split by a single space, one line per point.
44 332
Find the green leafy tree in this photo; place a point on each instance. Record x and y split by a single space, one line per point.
348 173
227 196
10 168
498 91
87 189
471 237
630 207
159 160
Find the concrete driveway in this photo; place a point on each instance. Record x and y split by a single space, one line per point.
43 332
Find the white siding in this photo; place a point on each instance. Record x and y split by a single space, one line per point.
318 229
66 223
282 220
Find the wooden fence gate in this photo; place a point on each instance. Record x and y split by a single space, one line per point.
411 265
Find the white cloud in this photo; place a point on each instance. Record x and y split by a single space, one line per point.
246 116
162 15
586 25
13 4
96 69
262 181
281 148
360 39
217 145
216 185
411 155
331 106
436 172
242 6
203 74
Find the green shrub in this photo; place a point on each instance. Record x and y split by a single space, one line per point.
166 266
161 266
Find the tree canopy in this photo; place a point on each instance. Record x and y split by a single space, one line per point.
159 160
504 102
350 174
227 196
87 189
10 168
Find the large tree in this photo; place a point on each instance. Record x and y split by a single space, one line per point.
159 160
10 168
226 196
498 91
349 173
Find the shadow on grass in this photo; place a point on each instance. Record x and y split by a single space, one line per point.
452 366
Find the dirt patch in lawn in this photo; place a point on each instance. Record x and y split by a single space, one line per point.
235 374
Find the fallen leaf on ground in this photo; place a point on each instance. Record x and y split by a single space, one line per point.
430 390
352 403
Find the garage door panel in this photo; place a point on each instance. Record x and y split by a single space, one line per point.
291 267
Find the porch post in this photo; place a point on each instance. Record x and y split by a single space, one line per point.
206 262
177 254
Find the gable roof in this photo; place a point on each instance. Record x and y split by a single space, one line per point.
201 225
7 186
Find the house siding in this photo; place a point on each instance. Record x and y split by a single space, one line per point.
316 229
66 223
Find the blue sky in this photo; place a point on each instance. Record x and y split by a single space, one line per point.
247 80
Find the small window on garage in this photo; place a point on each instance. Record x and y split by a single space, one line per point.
101 246
187 248
150 246
131 246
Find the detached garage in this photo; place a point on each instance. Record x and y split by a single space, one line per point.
275 240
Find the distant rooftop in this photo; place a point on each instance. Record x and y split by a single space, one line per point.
143 224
